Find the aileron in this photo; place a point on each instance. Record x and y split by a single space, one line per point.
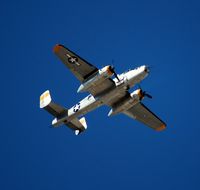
141 113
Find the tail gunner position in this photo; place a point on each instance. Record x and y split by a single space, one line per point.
103 91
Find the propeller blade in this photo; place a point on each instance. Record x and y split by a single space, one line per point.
148 95
144 92
112 69
115 74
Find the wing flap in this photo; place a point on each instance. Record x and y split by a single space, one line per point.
141 113
102 87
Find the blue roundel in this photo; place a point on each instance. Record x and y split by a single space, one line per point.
76 107
73 60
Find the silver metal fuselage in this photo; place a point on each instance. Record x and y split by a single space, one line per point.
89 103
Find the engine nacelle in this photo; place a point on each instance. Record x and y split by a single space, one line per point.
98 78
134 98
137 94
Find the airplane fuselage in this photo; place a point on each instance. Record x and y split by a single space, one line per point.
89 103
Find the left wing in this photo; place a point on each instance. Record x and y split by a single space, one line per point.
141 113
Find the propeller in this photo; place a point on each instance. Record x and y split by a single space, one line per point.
147 95
112 69
144 93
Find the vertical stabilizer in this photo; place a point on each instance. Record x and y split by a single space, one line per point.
45 99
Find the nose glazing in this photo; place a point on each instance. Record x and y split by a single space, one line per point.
146 69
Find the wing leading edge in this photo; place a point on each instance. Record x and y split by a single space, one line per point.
141 113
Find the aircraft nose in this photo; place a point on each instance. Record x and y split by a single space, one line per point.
146 69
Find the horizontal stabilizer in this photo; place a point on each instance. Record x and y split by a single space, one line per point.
78 125
59 112
51 107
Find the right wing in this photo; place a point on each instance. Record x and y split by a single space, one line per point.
77 65
141 113
81 69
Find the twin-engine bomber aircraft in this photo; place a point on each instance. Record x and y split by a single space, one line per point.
103 91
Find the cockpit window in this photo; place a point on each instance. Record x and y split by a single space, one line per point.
89 96
126 71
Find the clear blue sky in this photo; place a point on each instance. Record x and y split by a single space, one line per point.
114 153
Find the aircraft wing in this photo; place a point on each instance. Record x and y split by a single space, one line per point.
77 65
96 90
81 68
141 113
